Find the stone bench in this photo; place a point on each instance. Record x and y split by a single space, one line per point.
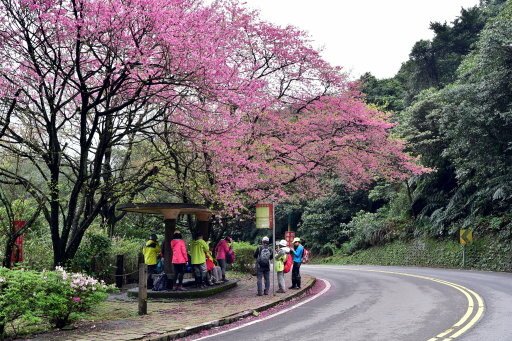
191 292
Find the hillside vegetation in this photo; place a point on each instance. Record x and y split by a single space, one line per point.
452 105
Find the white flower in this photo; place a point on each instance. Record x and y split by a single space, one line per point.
2 279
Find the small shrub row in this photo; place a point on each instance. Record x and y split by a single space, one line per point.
97 256
486 253
244 257
57 297
368 229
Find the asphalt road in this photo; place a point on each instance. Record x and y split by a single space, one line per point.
395 303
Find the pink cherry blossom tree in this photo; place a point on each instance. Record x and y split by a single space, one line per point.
307 119
81 79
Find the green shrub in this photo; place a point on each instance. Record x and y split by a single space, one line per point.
327 249
38 251
244 256
366 230
130 249
94 256
16 296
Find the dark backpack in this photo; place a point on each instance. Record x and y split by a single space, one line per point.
230 257
160 282
264 258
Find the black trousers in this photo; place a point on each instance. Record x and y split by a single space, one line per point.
151 271
296 274
179 271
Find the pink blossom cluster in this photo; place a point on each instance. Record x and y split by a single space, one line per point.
262 111
80 282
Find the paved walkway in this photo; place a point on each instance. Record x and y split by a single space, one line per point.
166 317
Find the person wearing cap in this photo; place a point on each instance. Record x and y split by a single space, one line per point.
221 252
151 252
283 252
263 255
179 260
297 252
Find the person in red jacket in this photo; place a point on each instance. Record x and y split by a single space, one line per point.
221 252
179 259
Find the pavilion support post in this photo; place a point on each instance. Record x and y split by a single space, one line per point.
203 223
170 227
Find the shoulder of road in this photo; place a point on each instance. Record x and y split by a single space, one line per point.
177 318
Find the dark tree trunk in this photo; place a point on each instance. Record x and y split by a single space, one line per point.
2 331
8 252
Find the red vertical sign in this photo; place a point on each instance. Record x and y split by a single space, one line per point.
17 251
288 236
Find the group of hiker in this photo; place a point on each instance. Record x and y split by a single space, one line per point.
286 258
199 261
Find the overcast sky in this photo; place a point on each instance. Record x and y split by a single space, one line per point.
363 35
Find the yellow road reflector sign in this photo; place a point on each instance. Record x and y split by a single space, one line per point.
466 236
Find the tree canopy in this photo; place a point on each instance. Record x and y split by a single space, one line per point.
100 98
451 101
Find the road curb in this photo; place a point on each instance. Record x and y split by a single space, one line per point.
228 319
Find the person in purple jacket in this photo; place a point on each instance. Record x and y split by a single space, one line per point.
221 252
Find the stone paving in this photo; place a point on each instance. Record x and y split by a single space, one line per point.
169 316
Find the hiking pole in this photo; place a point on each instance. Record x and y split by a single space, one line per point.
274 249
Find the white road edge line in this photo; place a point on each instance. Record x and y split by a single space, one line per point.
327 287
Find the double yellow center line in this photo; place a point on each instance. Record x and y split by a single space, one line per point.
473 313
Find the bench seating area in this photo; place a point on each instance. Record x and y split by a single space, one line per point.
190 292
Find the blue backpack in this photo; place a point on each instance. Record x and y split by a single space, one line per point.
160 266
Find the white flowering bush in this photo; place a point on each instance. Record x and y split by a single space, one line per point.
67 295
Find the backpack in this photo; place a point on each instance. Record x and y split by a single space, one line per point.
288 263
305 256
230 257
264 258
188 266
160 266
209 264
160 282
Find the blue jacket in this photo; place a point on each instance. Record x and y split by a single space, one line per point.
297 254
